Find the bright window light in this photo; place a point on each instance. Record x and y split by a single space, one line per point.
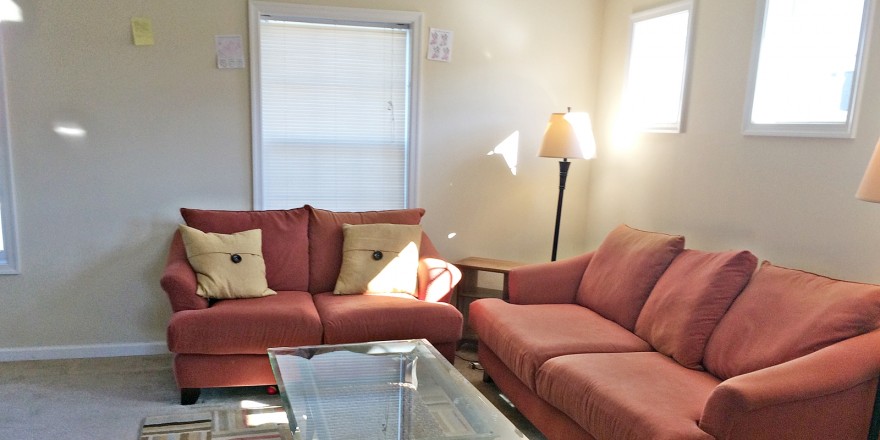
805 67
658 65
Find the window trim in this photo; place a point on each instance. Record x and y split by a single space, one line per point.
10 250
657 12
256 9
814 130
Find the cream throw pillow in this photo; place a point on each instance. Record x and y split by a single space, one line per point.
227 265
379 258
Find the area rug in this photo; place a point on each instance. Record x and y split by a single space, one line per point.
269 423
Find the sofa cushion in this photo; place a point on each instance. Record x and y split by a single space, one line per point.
628 396
226 265
783 314
623 271
383 317
285 240
246 326
525 336
379 258
689 300
325 239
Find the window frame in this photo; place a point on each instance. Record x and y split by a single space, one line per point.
9 255
846 129
653 13
292 11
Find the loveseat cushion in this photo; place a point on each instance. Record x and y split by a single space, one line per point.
784 314
246 326
525 336
379 258
623 271
285 240
226 265
383 317
689 300
628 396
325 239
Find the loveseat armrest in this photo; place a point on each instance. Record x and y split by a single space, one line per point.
828 394
556 282
436 277
179 279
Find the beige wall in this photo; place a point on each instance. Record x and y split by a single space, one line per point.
788 200
166 129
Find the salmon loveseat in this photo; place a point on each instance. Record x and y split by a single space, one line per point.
223 343
643 339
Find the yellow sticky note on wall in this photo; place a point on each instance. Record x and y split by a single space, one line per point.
142 31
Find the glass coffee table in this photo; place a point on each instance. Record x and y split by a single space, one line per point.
382 390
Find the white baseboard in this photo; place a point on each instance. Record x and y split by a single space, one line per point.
82 351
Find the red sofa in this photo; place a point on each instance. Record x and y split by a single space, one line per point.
643 339
223 343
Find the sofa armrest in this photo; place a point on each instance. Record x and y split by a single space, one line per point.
827 394
179 280
556 282
436 277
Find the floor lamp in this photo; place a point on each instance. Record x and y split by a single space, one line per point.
568 136
869 191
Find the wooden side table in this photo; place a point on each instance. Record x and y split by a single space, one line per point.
467 289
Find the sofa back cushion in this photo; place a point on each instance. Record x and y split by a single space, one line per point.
783 314
689 300
623 271
325 239
284 236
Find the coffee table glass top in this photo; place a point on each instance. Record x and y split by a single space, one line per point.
382 390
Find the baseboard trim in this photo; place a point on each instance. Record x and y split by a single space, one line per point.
82 351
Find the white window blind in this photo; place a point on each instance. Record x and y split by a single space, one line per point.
334 125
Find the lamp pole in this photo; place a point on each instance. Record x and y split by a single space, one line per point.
563 175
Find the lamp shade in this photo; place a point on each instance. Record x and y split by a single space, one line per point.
569 136
869 189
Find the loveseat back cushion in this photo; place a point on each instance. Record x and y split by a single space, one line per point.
285 240
783 314
689 300
623 271
325 239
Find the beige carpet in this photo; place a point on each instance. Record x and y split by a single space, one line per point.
109 398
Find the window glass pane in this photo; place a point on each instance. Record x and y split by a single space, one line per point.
334 114
9 255
658 68
807 63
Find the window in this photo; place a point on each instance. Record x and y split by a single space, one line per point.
806 67
658 67
333 93
9 257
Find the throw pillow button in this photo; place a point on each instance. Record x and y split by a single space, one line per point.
377 255
235 258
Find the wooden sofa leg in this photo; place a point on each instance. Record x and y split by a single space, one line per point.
188 396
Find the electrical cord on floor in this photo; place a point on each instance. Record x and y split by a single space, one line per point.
474 364
470 347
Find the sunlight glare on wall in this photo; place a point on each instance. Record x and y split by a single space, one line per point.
9 11
509 149
69 130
